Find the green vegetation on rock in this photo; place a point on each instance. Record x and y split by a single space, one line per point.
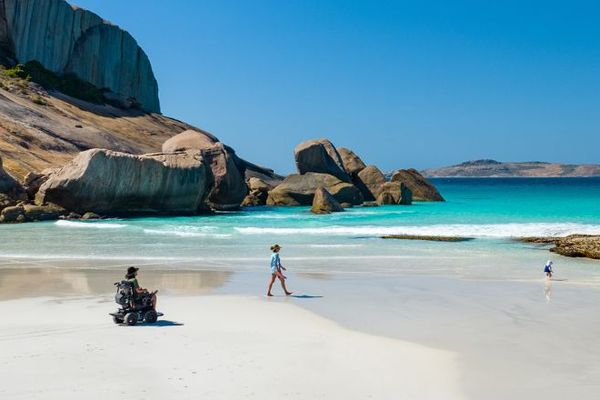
68 84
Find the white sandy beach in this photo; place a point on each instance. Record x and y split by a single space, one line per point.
227 347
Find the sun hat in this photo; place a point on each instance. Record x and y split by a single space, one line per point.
275 246
132 270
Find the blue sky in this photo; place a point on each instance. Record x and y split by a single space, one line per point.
403 83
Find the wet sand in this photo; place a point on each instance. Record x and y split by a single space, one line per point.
518 339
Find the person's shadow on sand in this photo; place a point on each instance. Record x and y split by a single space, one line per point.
161 323
305 296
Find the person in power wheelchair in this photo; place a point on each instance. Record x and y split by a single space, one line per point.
139 292
137 304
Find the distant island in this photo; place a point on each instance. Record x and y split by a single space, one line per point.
493 168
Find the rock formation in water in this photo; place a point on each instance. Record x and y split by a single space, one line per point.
259 192
229 189
394 193
369 181
324 202
320 156
299 190
421 188
112 183
351 162
69 40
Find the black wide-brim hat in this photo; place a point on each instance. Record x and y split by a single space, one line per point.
132 270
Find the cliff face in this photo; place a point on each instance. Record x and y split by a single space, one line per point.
66 39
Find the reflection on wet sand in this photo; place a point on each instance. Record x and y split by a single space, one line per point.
30 282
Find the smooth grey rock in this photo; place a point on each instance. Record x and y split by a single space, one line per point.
68 39
112 183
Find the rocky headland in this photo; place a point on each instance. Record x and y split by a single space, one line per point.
81 136
493 168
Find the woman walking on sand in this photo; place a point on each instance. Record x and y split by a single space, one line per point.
276 268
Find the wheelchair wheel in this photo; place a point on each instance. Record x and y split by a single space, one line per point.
117 320
131 319
150 317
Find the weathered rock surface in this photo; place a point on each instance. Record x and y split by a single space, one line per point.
298 190
112 183
320 156
392 193
228 170
352 163
421 188
30 213
11 191
67 39
258 192
190 139
369 180
570 246
324 202
429 238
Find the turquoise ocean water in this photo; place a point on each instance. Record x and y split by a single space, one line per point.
490 210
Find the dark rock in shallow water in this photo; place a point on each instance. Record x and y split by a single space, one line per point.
325 203
113 183
320 156
13 214
421 188
299 190
392 193
578 246
90 215
429 238
570 246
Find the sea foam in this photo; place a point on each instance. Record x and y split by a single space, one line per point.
94 225
463 230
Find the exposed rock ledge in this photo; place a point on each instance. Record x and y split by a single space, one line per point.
430 238
570 246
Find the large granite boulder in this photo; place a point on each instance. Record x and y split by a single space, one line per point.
11 190
421 188
229 189
369 180
69 40
299 190
112 183
394 193
189 140
258 192
228 169
320 156
352 163
31 213
324 202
